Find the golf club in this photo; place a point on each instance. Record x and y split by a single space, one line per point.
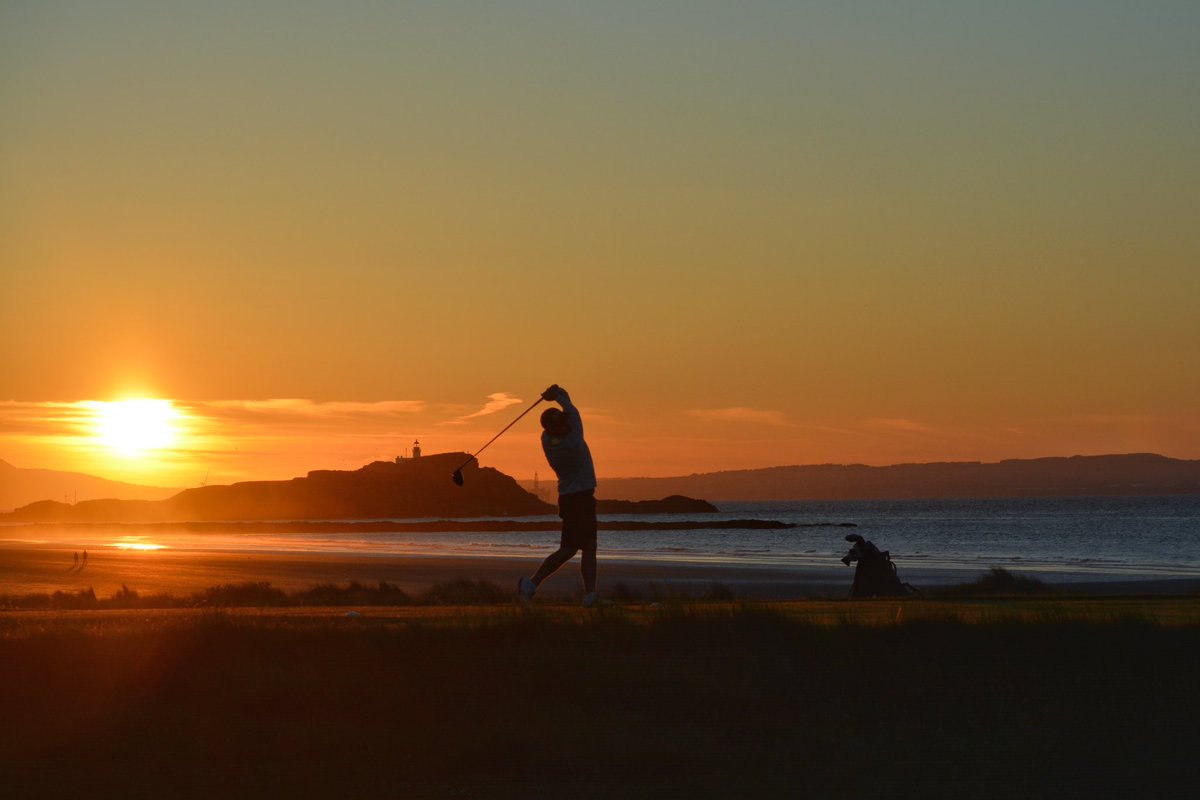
458 476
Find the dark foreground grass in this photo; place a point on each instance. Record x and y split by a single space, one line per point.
261 594
242 595
744 703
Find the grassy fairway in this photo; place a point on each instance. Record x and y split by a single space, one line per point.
993 698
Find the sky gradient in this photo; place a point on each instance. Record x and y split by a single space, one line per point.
741 235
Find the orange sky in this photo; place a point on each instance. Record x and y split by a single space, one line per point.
741 237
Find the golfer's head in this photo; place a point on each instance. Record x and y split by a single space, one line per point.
554 421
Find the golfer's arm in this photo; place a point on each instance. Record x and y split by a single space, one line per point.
570 410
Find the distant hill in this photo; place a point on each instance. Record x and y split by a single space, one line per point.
1134 474
419 487
675 504
20 486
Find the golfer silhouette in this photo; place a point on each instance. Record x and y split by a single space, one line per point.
569 457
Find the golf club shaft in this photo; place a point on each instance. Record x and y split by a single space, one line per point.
498 435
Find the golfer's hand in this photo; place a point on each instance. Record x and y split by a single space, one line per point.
551 394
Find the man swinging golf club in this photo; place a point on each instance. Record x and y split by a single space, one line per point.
569 457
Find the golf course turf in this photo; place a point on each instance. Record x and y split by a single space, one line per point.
989 697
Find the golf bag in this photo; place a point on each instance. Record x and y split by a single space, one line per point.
875 575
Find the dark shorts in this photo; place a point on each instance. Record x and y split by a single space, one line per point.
578 512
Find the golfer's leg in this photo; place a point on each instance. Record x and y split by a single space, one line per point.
553 561
587 566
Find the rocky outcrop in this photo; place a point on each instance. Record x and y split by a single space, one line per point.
420 487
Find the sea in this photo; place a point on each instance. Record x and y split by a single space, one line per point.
1054 538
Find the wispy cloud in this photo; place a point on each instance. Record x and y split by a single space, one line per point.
20 418
741 414
497 401
77 418
899 425
300 409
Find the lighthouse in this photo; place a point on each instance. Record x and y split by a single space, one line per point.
416 451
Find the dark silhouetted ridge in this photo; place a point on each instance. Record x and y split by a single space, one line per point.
1133 474
20 486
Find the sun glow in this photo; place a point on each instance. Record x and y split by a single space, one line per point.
131 428
136 545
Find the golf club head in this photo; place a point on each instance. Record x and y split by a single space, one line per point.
458 478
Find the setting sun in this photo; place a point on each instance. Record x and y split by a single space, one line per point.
132 427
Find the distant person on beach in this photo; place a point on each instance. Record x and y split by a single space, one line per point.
571 460
75 560
84 560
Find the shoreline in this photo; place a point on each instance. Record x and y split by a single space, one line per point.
27 568
488 525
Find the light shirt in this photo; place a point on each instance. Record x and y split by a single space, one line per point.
569 455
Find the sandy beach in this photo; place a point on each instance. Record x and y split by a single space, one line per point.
27 568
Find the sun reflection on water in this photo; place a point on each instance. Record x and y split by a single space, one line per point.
136 544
